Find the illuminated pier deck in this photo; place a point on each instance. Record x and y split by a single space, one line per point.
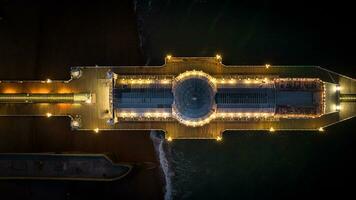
190 98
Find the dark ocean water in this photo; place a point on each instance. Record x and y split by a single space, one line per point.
255 165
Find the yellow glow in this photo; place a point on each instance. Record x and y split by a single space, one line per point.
165 81
232 81
321 129
169 139
337 107
49 115
96 130
271 129
218 138
169 57
123 114
218 57
183 75
267 66
337 88
48 80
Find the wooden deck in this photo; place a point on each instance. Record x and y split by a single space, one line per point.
96 114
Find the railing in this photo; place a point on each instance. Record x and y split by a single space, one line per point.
45 98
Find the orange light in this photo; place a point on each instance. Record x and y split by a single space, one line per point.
64 90
40 90
63 105
9 91
169 139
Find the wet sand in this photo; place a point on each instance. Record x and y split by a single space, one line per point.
42 40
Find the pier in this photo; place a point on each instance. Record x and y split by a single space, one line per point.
187 98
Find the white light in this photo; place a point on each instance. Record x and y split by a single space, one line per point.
165 115
271 129
49 115
218 57
88 101
148 115
75 123
267 66
218 138
132 114
321 129
96 130
48 81
169 139
169 57
337 107
337 88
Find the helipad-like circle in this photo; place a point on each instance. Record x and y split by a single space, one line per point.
194 99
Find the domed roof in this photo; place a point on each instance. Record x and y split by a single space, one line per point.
194 98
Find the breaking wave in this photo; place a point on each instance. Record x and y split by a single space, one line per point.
161 149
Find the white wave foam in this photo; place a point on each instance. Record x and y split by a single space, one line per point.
164 163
